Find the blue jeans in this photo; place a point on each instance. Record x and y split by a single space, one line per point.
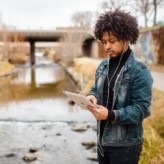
120 155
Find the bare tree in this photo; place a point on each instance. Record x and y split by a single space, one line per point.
113 4
144 8
156 4
82 19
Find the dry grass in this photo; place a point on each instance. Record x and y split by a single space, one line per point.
155 67
153 150
85 69
10 91
6 67
18 58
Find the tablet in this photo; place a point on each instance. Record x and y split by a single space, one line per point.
79 99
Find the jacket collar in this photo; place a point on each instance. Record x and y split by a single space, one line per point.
128 63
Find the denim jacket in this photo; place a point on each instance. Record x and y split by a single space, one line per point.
132 96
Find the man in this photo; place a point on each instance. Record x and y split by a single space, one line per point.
122 90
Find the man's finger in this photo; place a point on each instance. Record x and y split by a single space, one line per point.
92 109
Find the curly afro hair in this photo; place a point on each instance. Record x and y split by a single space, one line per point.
118 23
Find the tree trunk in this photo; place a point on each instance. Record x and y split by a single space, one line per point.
155 12
145 20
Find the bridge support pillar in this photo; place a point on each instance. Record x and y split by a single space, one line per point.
32 52
33 78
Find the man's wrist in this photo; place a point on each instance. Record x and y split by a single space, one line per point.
111 115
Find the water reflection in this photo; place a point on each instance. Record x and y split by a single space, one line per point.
33 79
38 75
34 83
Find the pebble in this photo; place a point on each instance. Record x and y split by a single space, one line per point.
29 157
92 156
79 127
33 149
89 144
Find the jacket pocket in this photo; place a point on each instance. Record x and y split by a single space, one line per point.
114 133
124 89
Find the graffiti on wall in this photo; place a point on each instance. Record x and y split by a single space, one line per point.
145 47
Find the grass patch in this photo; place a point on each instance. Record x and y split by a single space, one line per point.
158 125
153 148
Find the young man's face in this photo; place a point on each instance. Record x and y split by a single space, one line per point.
113 46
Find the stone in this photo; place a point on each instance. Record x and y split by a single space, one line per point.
89 144
92 156
10 155
58 134
33 149
79 128
29 157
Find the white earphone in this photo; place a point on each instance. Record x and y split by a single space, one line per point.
125 46
126 43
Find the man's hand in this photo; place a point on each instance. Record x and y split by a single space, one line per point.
92 99
100 113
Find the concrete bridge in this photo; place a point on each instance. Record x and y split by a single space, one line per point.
66 35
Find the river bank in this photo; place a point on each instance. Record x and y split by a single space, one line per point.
83 72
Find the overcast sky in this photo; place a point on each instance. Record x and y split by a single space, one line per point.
44 13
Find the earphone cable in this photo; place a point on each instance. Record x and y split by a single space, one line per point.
109 81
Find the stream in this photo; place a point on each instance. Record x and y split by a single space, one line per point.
35 113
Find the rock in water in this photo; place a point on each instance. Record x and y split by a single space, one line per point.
33 149
79 127
29 157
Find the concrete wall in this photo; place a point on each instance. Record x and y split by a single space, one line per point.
97 50
94 50
146 49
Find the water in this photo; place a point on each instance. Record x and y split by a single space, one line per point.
35 94
33 111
